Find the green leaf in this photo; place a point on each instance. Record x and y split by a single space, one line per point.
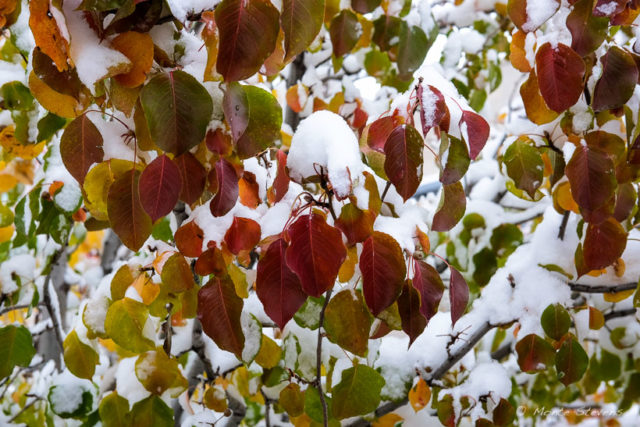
151 411
358 392
555 321
412 49
348 322
178 109
114 411
157 373
81 359
457 158
587 31
300 21
524 165
255 118
60 403
451 208
505 238
571 361
16 348
16 96
126 325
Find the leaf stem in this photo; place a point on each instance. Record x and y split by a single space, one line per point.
325 414
384 192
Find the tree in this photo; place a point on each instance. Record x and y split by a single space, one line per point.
317 212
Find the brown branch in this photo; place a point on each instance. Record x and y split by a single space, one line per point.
325 413
619 313
454 357
563 225
602 289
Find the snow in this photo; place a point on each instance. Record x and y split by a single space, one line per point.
69 197
324 141
181 9
608 8
19 268
67 391
93 60
127 383
538 12
252 336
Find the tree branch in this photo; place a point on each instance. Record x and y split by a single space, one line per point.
325 414
602 289
619 313
295 74
453 358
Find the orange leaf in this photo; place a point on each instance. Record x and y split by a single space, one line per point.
138 48
47 34
419 395
518 55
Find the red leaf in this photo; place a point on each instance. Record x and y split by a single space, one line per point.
126 215
219 310
379 132
592 178
281 182
81 147
383 271
218 142
315 253
189 238
211 262
227 194
433 108
618 80
413 321
248 31
356 224
160 185
452 207
560 74
534 353
243 235
428 283
194 177
603 244
403 161
458 295
277 286
475 132
344 32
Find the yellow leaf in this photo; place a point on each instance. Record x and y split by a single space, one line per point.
563 199
239 279
97 184
596 319
138 48
269 354
619 267
56 102
15 148
210 36
215 399
348 267
419 395
6 233
534 105
388 420
618 296
47 34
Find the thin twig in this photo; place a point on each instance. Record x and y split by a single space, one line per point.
15 307
384 192
53 313
325 415
602 289
27 406
619 313
563 225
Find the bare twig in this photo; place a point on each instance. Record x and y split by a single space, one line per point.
563 225
53 312
619 313
325 415
27 406
602 289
